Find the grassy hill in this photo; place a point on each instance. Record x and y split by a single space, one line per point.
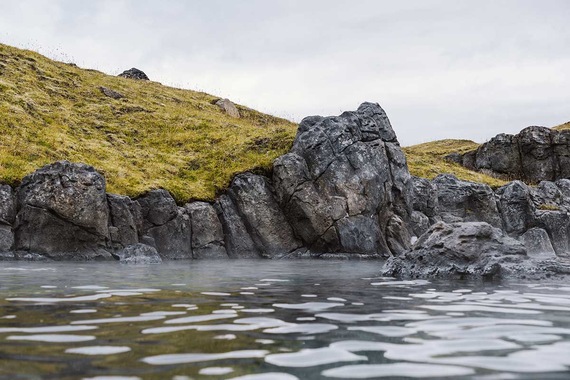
426 160
154 137
563 126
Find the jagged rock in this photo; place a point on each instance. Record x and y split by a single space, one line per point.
111 93
535 154
63 212
471 249
343 181
263 219
424 196
465 201
134 74
166 223
228 107
207 233
157 208
238 241
537 244
7 205
516 207
557 224
419 223
123 227
139 254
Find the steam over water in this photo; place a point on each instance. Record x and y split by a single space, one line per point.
274 320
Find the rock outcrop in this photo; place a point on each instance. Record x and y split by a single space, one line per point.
343 191
345 185
134 73
535 154
228 107
457 250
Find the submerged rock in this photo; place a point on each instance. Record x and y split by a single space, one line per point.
456 250
139 254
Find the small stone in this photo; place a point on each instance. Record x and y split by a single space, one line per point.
111 93
228 107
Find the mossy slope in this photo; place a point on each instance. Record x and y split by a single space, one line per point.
155 137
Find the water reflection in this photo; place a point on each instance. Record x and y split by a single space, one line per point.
275 321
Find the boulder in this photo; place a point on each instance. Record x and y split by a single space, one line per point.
343 181
424 196
537 154
207 234
167 224
462 201
457 250
63 212
517 208
139 254
500 155
266 224
110 93
537 244
228 107
134 74
557 224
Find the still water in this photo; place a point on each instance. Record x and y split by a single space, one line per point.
274 320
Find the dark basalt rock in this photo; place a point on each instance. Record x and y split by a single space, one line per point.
134 74
124 220
535 154
238 242
473 249
207 234
139 254
343 181
465 201
63 212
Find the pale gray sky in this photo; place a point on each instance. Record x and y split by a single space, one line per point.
440 68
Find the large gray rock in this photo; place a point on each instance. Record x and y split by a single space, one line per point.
535 154
167 224
344 181
134 73
517 207
457 250
7 217
63 212
207 233
424 196
238 241
462 201
123 223
228 107
537 244
557 224
265 222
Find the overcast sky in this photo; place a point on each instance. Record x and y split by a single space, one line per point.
440 68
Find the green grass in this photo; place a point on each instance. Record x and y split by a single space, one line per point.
563 126
155 137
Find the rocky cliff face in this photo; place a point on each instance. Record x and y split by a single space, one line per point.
533 155
344 188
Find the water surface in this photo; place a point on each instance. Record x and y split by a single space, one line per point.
274 320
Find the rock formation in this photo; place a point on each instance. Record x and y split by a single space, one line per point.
533 155
344 190
134 73
228 107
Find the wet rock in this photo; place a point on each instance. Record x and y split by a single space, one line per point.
238 242
122 223
139 254
343 181
228 107
537 244
207 233
110 93
7 205
173 239
266 224
157 208
134 74
460 201
557 224
457 250
63 212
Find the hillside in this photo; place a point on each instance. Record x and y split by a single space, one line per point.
427 160
563 126
154 137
